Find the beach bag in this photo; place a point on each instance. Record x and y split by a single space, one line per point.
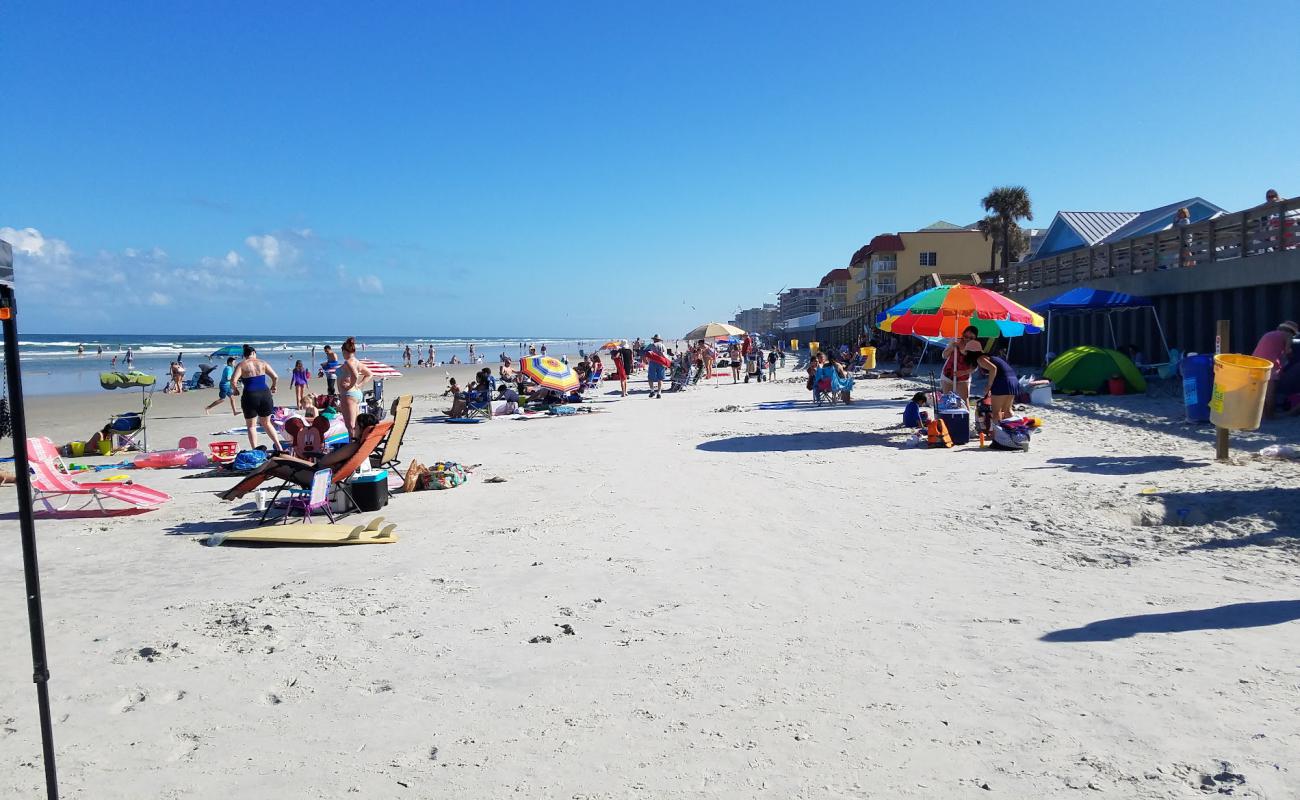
936 434
248 460
447 475
1011 434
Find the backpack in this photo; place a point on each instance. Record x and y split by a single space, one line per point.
936 434
1011 434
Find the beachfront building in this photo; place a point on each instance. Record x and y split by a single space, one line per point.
1073 229
893 261
835 291
799 302
761 319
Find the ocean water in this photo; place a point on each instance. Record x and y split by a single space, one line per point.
51 364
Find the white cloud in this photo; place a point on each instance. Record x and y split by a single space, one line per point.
32 242
233 259
158 299
267 247
370 284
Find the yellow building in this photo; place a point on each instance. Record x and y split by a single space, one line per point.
893 261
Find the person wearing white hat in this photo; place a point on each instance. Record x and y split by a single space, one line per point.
655 370
1275 346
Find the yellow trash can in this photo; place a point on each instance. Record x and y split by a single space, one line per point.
794 344
1240 385
76 449
868 357
813 346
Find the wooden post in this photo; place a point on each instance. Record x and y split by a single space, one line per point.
1222 343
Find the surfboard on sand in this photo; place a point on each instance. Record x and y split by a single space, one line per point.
373 532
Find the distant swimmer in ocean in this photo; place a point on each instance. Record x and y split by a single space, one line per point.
254 382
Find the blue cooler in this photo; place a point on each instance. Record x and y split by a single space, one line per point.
1198 385
370 490
958 422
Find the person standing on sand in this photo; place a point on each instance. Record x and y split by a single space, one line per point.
300 379
1275 347
771 365
406 357
620 370
956 369
429 362
254 381
654 370
329 370
352 374
225 388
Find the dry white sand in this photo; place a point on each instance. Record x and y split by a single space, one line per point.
780 602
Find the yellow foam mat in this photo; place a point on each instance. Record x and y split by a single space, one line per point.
373 532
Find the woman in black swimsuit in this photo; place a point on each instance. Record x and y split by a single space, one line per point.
254 381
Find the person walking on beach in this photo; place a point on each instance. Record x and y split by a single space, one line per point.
406 357
225 388
329 370
177 377
771 365
352 374
734 357
429 362
654 369
254 381
620 370
300 379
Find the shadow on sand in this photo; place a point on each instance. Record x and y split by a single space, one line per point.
1123 465
1238 615
787 442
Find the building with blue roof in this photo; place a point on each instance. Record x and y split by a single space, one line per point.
1073 229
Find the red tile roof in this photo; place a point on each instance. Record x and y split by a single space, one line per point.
836 276
884 243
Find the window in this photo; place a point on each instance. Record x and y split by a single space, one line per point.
885 287
929 259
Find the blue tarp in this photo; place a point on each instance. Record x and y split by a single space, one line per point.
1085 299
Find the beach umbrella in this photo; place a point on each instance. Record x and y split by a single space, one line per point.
549 373
380 370
612 344
713 330
1086 369
949 309
236 350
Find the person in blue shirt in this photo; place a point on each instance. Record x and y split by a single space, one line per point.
329 370
914 415
225 389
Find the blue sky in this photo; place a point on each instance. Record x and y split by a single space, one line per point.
586 169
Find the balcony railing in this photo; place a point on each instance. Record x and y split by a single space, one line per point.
1263 229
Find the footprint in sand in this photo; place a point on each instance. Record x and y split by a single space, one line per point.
186 745
133 698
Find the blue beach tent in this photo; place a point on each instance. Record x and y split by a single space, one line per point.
1083 300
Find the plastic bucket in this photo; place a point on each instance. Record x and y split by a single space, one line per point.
76 449
1240 385
105 447
1116 385
1041 395
868 357
1198 383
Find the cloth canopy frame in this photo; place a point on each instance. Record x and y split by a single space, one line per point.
1084 300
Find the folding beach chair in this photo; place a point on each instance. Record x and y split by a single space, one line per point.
481 406
298 472
316 498
386 456
50 480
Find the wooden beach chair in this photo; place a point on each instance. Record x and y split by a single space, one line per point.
49 481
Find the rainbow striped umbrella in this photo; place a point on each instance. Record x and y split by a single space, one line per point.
947 310
549 373
612 344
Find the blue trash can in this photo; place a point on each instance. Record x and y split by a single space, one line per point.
1198 384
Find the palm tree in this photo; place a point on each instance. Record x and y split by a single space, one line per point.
1008 204
989 227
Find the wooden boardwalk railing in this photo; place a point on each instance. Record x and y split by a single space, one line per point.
1262 229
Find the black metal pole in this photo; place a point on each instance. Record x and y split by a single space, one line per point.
27 525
